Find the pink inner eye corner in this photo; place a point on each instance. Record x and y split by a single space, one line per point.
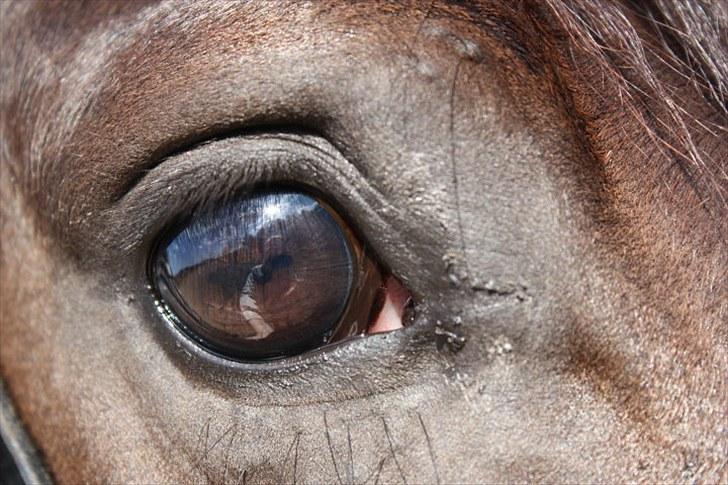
396 309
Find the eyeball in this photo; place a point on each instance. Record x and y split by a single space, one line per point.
266 276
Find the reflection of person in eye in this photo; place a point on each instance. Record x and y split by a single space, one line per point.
259 275
507 224
249 309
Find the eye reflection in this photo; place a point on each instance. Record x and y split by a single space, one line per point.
270 275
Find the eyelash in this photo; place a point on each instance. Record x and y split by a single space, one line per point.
214 172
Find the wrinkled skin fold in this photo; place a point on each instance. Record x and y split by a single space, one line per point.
552 192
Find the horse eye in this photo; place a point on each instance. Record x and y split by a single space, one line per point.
267 276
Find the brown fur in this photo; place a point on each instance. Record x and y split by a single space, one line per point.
627 102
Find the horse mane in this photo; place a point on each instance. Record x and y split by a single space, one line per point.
651 90
686 47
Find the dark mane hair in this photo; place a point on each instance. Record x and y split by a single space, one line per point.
686 50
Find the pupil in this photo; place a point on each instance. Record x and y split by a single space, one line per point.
266 276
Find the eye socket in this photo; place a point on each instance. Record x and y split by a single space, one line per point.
267 276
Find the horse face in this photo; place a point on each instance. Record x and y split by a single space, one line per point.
566 283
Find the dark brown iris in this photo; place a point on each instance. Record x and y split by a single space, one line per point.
267 276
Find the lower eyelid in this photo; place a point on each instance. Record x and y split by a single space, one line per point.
406 353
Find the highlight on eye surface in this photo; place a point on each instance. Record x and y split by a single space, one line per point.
273 274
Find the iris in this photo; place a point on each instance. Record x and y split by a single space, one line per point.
266 276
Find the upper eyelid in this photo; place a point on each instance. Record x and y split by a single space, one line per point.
205 174
211 172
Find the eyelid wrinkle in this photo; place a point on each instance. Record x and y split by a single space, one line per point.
215 172
177 148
